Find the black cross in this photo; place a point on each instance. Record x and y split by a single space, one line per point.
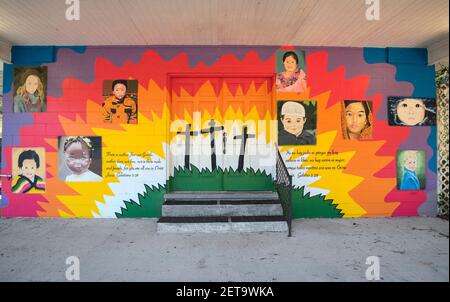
243 139
211 131
188 133
224 139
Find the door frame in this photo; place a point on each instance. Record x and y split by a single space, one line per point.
222 75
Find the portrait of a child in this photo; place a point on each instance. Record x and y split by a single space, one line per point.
28 164
293 128
30 89
76 159
292 76
119 106
411 170
357 119
409 111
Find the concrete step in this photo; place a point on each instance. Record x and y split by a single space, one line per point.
222 195
233 224
205 208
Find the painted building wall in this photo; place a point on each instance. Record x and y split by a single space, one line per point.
332 178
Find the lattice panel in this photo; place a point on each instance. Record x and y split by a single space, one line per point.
443 142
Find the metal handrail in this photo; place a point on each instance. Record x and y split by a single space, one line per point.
8 176
283 183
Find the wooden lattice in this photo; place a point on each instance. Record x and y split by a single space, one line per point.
443 147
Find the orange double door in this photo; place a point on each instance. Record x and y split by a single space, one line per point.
213 127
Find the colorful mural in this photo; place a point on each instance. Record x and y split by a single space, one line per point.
209 119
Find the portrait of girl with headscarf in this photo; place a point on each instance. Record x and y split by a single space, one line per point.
357 120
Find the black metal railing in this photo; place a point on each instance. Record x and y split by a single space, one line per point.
283 183
8 176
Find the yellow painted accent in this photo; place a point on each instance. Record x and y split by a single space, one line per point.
338 183
139 139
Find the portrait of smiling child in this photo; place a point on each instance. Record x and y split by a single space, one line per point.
77 156
29 89
411 173
293 119
291 77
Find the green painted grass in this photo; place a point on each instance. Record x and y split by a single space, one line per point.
306 206
150 202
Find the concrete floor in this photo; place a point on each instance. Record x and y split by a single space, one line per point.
410 249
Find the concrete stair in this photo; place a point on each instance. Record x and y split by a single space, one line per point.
222 212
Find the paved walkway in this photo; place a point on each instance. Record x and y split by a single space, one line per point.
409 249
